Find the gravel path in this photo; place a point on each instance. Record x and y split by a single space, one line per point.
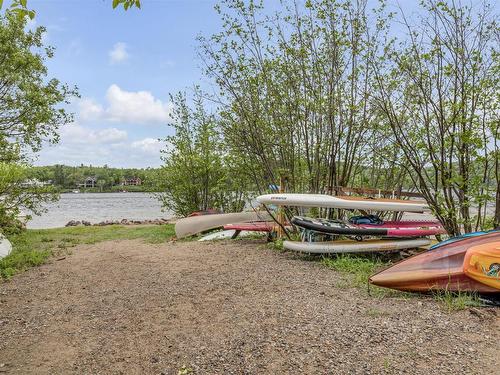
228 308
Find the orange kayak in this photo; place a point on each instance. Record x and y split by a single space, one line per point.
438 269
482 263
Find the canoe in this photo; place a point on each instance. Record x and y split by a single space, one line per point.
386 229
436 270
349 246
196 224
482 263
344 202
5 246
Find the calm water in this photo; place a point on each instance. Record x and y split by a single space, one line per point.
99 207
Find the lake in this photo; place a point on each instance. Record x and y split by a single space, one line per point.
97 207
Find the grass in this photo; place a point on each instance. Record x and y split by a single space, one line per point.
456 301
357 269
32 248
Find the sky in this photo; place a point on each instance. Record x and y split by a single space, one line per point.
124 64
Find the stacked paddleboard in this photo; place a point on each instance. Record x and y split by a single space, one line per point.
394 235
468 263
343 202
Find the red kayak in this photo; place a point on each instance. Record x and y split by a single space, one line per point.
256 226
438 269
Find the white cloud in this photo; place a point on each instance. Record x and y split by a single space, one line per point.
111 146
89 109
136 107
118 53
75 47
148 146
76 134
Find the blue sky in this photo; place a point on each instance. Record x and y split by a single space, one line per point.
125 64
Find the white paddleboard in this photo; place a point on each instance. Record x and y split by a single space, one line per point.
5 246
353 203
349 246
227 234
222 235
196 224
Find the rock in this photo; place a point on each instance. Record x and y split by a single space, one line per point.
86 223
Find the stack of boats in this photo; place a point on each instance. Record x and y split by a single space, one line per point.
466 263
370 233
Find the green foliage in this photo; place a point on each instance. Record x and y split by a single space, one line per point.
13 196
295 92
127 4
34 247
19 9
30 114
30 111
439 93
198 173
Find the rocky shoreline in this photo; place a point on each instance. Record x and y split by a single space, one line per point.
76 223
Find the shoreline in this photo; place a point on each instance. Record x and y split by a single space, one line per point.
86 223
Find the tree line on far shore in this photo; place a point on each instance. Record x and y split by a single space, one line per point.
105 179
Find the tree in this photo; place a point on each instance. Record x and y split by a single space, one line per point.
294 90
30 110
439 94
14 196
198 174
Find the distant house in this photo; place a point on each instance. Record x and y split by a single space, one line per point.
135 181
35 183
89 182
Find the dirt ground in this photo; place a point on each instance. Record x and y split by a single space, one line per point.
126 307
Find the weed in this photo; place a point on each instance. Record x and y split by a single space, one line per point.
374 312
455 301
184 371
276 245
386 364
359 267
